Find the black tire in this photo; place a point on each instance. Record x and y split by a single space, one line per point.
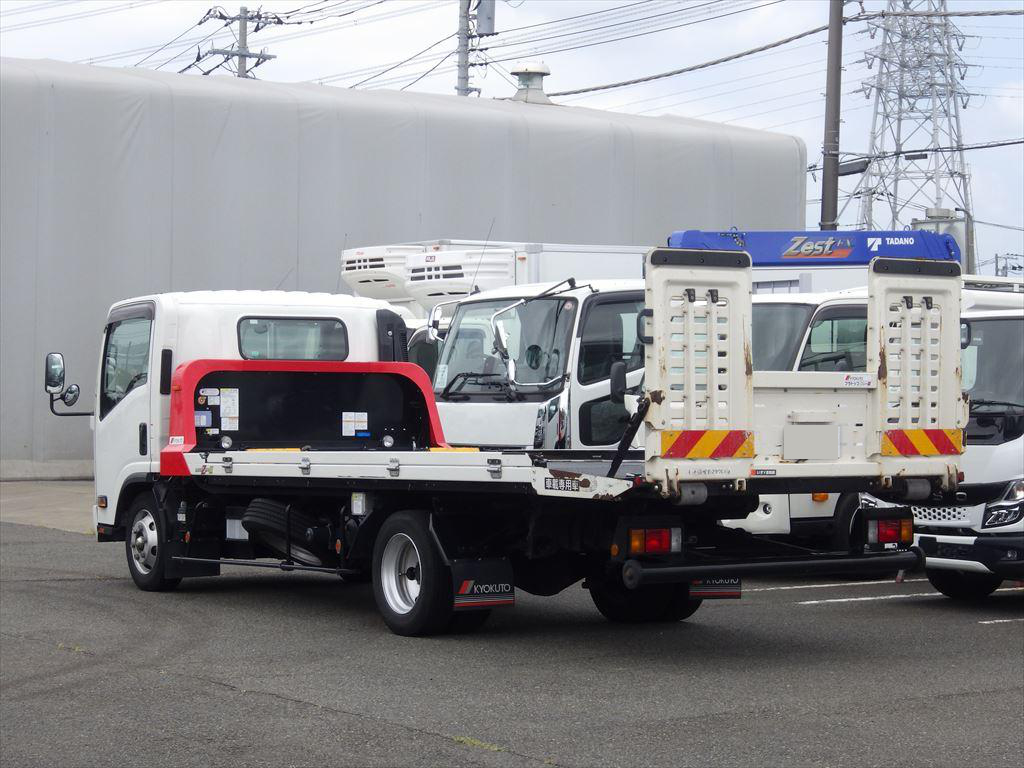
265 520
651 603
848 533
430 611
146 548
965 586
464 622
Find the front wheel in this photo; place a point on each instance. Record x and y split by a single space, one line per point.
411 584
654 602
963 585
146 546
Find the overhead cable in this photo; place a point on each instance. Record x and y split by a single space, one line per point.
79 15
776 44
396 66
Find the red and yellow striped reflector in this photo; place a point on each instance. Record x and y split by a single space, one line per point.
707 444
922 442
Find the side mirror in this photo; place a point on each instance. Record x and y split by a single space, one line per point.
618 382
965 335
71 396
434 323
53 375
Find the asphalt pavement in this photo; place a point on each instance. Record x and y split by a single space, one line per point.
265 668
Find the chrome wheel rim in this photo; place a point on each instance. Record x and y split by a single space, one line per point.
400 573
144 544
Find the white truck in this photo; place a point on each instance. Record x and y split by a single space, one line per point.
828 332
295 437
975 543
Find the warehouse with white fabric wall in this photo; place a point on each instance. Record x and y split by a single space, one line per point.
123 182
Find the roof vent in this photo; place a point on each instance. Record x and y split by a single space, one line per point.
531 76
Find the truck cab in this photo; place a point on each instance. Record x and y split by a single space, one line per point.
972 546
145 338
562 344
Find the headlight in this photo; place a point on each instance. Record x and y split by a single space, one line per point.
1014 491
1009 509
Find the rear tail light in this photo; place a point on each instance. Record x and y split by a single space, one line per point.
655 541
898 531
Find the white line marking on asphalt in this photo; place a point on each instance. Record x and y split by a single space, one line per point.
825 586
999 621
890 597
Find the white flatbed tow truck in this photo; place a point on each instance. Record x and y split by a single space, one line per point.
341 466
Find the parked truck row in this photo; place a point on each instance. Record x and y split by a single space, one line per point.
288 431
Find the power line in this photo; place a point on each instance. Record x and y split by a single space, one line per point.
439 63
79 15
404 61
17 11
1000 226
171 42
964 148
517 55
775 44
638 34
528 40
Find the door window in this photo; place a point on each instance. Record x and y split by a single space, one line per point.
125 360
836 344
602 422
609 335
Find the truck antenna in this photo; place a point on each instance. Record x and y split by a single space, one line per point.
473 288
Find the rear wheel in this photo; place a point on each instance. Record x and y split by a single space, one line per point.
146 546
654 602
411 584
964 585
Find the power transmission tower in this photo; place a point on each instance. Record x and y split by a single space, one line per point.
241 51
476 20
918 94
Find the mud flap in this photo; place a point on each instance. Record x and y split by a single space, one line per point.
717 588
482 583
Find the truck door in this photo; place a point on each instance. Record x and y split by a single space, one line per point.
607 334
123 423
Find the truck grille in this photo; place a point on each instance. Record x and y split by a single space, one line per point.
939 514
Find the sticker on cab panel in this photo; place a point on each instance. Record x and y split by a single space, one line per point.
176 440
229 404
353 422
208 391
858 381
204 418
229 424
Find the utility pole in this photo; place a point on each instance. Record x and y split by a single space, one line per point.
833 94
241 52
475 21
462 81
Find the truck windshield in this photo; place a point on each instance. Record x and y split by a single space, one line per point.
539 336
777 332
992 363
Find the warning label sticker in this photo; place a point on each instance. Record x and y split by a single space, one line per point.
353 422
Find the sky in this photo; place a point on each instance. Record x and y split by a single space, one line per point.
410 43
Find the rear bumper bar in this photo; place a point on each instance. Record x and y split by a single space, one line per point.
635 573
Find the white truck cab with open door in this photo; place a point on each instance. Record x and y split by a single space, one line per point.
144 339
